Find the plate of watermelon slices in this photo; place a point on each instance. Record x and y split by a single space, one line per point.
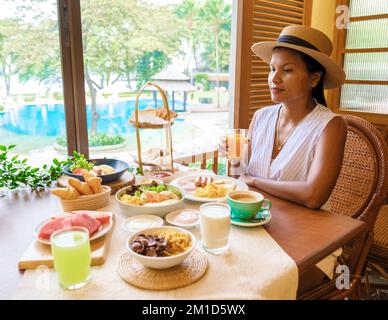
97 222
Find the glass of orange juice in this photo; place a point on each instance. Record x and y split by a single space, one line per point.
235 140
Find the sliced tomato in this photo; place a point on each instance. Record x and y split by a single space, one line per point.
77 171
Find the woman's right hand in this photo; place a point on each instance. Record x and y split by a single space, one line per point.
223 146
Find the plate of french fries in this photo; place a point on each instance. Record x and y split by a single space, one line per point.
208 188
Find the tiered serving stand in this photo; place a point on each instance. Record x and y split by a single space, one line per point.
140 123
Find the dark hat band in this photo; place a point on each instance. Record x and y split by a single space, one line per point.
296 41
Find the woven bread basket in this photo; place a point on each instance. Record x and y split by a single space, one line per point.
90 202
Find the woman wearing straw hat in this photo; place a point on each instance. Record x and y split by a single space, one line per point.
297 145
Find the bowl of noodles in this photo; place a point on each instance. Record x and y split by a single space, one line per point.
161 247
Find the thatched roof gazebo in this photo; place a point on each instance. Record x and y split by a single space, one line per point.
171 80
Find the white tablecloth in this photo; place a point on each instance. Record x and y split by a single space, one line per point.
255 267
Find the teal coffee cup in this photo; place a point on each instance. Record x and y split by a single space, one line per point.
246 204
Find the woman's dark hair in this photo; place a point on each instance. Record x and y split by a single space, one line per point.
313 65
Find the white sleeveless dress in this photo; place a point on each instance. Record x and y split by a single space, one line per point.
294 160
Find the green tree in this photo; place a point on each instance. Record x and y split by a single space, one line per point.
116 36
41 61
209 55
216 16
191 31
149 64
9 30
29 44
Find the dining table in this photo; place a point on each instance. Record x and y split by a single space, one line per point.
306 236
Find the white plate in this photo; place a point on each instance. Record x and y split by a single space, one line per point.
136 223
186 226
253 224
240 185
103 230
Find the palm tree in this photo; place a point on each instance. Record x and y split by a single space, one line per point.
217 16
188 14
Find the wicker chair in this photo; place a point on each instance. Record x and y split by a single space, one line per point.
377 259
360 191
378 254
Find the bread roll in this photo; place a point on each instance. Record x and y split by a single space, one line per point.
87 175
68 193
82 187
95 184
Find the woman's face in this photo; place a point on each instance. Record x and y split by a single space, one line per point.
289 80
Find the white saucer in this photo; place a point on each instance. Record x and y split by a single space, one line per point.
136 223
252 224
169 218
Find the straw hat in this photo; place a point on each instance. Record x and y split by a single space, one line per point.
310 41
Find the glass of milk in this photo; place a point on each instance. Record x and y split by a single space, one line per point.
215 227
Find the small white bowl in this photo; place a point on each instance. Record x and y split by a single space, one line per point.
171 215
159 210
161 262
137 223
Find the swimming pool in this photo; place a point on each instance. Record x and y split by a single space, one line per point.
49 119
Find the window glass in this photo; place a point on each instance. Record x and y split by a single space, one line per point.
183 46
32 113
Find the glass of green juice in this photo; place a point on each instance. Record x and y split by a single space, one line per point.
71 253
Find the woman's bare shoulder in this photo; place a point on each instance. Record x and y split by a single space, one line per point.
335 130
337 124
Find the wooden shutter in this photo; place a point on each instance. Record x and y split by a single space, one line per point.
260 20
362 50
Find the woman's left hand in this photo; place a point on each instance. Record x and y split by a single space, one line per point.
249 180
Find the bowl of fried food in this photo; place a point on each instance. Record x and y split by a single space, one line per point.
89 195
149 196
108 170
161 247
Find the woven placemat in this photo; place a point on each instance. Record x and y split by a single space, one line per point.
189 271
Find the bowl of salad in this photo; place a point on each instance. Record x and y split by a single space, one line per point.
108 170
150 197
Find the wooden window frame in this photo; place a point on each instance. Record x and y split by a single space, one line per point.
334 96
70 32
243 59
